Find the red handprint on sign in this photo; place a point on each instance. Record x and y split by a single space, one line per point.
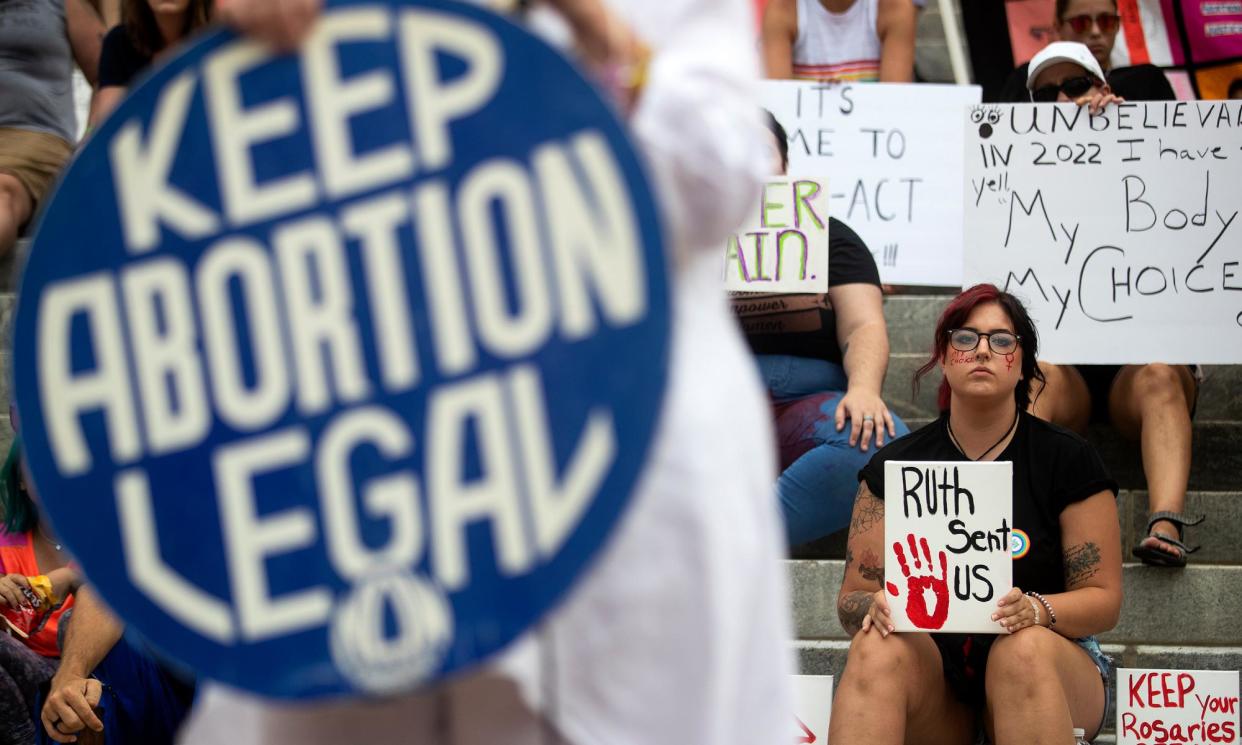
916 600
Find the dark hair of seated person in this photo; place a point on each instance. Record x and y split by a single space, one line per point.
143 31
955 315
20 514
782 137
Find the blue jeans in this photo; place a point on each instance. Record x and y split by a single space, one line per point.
819 469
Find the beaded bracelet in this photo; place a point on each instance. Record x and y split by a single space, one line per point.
1052 615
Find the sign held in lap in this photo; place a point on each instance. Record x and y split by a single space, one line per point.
1177 707
894 156
1126 224
948 528
331 389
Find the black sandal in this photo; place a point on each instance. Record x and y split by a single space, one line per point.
1152 555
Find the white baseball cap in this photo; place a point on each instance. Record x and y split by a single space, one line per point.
1063 51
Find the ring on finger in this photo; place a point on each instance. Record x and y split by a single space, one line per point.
868 418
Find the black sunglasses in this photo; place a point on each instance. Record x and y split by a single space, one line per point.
1072 87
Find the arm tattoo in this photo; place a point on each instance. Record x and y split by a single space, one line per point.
852 609
1082 562
871 567
868 510
849 557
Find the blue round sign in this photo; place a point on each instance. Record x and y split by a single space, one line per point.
336 369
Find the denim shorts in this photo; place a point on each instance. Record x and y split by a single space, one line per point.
1104 664
961 663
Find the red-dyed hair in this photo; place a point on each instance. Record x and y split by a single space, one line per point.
956 313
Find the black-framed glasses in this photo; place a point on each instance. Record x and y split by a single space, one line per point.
1071 87
1107 23
966 340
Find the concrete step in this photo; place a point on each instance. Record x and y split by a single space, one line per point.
1220 394
1216 460
1216 535
828 658
1196 607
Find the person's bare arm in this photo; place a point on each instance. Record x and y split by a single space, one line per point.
89 636
896 23
103 102
1091 548
863 336
281 23
780 29
86 31
861 603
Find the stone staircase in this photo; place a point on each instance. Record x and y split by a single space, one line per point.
1190 618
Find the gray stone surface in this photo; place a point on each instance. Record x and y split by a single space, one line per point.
821 657
911 320
1155 610
1189 658
1196 606
1216 462
815 585
1217 535
1220 395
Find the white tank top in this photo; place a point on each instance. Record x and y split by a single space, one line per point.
837 47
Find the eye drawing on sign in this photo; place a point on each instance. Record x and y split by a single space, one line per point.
917 585
985 117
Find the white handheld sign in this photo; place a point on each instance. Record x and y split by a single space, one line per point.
1124 224
812 708
947 550
1177 707
784 245
894 154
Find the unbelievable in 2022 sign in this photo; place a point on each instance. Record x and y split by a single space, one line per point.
336 368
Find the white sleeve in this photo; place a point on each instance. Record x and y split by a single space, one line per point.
697 121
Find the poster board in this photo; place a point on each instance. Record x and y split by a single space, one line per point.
1127 224
893 153
947 543
783 246
297 385
812 709
1177 707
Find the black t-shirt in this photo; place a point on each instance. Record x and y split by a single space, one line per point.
119 61
1135 83
805 325
1052 469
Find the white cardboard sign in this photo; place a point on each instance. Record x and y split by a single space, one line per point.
812 709
783 247
894 154
947 551
1125 226
1177 707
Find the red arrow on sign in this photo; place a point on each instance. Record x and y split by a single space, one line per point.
807 735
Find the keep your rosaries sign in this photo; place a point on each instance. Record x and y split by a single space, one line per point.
336 368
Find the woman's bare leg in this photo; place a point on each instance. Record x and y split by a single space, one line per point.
1151 404
1062 399
893 691
1040 686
